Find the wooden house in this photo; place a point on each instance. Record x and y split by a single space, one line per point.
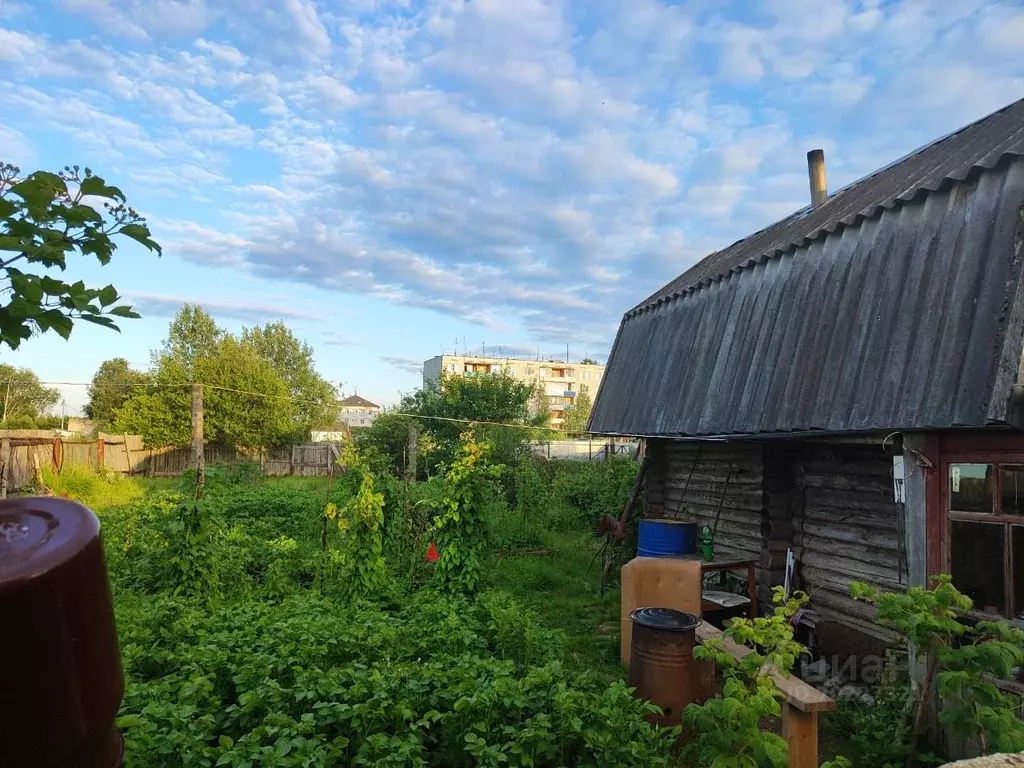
847 381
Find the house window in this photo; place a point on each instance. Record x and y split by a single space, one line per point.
986 535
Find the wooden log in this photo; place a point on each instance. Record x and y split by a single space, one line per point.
198 454
826 569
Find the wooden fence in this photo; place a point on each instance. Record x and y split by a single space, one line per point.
22 450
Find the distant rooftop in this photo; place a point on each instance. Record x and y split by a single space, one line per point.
355 401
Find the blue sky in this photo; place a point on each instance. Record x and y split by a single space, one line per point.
391 177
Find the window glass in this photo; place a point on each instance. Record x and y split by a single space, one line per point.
1011 477
976 560
970 487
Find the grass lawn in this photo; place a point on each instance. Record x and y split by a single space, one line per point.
562 586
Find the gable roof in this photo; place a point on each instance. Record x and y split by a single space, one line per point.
355 401
894 304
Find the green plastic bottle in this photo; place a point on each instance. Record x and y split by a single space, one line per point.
707 544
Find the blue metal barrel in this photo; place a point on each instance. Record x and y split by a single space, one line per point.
666 538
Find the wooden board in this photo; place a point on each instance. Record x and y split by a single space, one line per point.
796 692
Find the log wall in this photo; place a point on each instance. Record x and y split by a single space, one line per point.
849 529
831 503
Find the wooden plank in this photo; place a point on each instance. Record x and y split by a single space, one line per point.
800 730
796 692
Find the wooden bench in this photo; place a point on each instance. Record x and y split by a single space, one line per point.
800 707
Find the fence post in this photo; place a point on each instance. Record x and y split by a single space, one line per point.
198 457
5 456
128 455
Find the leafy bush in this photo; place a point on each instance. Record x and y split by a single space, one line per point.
570 495
727 731
874 735
963 660
440 682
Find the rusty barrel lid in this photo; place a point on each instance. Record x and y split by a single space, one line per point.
665 619
62 683
37 535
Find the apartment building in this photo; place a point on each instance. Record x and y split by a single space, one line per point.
560 381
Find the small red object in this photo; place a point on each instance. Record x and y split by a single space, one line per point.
432 556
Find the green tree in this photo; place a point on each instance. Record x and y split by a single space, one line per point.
292 359
246 403
192 336
232 418
576 415
588 361
196 350
22 396
114 382
44 217
487 400
385 442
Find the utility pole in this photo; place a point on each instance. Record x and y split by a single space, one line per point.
198 457
412 449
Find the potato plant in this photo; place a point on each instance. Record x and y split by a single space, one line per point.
245 651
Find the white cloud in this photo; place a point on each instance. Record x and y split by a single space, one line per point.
167 305
18 47
16 148
335 339
407 364
198 243
538 164
141 18
324 93
222 51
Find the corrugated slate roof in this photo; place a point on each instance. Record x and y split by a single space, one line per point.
897 304
950 159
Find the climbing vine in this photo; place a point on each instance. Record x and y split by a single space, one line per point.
360 521
459 528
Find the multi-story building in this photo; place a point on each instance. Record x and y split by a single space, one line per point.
559 381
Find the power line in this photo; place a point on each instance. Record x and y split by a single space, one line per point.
294 399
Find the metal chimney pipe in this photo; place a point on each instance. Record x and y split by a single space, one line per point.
816 176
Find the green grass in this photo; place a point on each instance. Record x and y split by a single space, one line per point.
562 586
98 491
557 575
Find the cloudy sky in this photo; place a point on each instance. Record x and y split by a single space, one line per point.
392 177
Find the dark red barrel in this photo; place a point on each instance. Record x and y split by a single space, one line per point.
60 669
661 665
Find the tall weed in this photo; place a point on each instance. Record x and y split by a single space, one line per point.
97 490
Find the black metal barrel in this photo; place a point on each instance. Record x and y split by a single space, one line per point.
661 665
